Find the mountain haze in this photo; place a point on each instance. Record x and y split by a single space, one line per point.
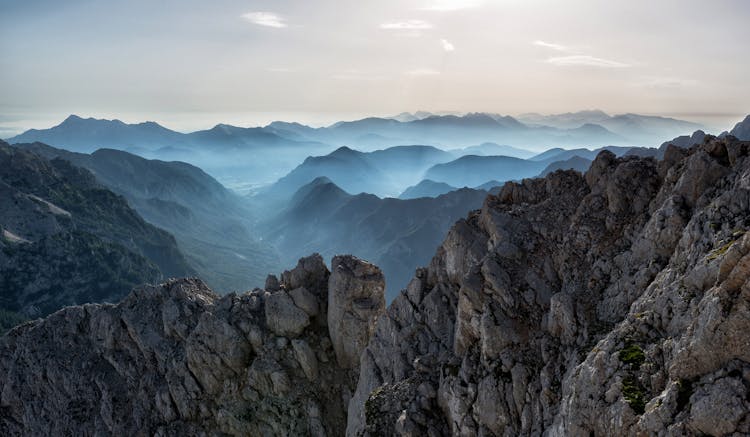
67 240
212 225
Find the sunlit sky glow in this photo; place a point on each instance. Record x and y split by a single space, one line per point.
191 64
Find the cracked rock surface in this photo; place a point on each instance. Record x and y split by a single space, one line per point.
177 360
613 303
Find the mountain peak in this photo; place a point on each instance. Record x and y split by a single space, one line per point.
72 118
742 129
344 151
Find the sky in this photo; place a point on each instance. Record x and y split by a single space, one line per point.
190 64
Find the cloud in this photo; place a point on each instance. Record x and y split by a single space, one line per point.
451 5
268 19
585 61
551 45
447 45
666 82
406 25
422 72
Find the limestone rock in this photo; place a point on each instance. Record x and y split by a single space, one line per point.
614 303
283 316
356 297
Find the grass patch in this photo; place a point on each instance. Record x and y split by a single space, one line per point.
716 253
634 394
632 354
720 251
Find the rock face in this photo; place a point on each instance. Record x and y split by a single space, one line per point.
179 360
356 297
617 303
611 303
742 129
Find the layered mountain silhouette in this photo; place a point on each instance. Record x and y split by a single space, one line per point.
426 188
573 163
233 154
212 225
244 158
382 172
67 240
493 149
449 130
640 129
400 234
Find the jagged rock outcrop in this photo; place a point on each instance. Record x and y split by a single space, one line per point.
742 129
617 303
177 359
611 303
356 298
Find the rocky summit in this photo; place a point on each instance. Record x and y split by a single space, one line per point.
615 302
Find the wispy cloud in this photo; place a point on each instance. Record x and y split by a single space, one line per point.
422 72
585 61
451 5
268 19
665 82
551 45
406 25
447 45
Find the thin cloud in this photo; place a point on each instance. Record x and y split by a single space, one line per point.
447 45
551 45
268 19
451 5
666 82
406 25
422 72
585 61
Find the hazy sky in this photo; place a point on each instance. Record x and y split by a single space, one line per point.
191 64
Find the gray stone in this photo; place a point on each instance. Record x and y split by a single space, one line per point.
356 297
283 317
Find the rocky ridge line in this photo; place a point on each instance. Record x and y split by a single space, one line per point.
614 303
611 303
177 359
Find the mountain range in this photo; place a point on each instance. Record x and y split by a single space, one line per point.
243 158
67 240
213 226
233 154
614 302
400 234
642 130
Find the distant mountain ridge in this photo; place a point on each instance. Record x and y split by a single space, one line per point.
643 130
227 152
211 224
66 240
401 234
382 172
426 188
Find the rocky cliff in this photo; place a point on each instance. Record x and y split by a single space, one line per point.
614 303
178 360
610 303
